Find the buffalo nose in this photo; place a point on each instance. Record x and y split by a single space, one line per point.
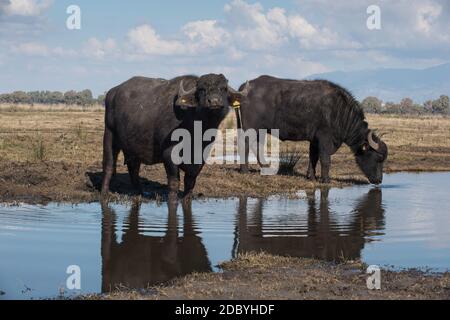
214 101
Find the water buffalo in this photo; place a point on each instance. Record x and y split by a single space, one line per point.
318 111
142 113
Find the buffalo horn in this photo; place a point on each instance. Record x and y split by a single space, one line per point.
182 92
372 143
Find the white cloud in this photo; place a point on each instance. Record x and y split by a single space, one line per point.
205 34
261 30
100 49
427 16
32 49
411 24
37 49
251 27
26 8
235 54
145 39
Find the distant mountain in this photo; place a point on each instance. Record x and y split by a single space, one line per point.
394 84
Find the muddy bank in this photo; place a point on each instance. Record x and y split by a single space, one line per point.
49 181
43 182
262 276
56 156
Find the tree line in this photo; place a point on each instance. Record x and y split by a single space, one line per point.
86 98
72 97
407 106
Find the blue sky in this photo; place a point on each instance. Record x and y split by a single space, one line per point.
240 38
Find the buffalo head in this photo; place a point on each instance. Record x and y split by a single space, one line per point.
371 157
211 91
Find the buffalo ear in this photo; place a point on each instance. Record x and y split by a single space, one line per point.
236 97
186 101
364 148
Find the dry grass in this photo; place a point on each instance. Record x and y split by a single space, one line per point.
37 107
56 149
262 276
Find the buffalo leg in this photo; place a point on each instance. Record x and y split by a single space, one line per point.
116 152
108 159
243 147
325 163
190 178
173 179
313 159
242 143
133 170
244 166
259 150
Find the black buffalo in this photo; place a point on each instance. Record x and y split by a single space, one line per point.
318 111
142 113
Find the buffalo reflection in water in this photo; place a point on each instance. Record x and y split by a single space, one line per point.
140 261
322 237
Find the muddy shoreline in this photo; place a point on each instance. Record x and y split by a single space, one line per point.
47 181
246 278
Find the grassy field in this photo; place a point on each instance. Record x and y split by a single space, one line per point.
53 154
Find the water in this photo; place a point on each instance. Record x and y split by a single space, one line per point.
405 223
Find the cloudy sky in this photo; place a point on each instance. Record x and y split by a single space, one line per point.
240 38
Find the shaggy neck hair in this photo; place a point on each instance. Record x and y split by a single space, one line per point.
351 121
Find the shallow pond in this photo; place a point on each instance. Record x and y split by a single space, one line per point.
405 223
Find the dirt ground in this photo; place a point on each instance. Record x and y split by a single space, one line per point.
52 155
265 277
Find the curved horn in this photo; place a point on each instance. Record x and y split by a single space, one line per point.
372 143
182 92
244 92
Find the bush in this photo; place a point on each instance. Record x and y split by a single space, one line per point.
288 161
441 105
39 150
372 105
81 98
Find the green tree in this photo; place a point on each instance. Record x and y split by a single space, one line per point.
101 99
372 105
428 106
393 108
441 105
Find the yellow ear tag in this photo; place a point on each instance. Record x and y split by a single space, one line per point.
236 104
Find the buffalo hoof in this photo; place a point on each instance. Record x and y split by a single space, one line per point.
325 180
187 195
173 196
244 170
187 200
136 193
